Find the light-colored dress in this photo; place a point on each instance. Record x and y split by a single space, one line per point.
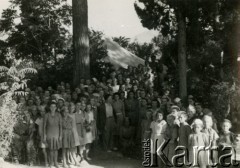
89 127
212 137
198 140
76 136
79 116
40 122
68 135
53 126
212 134
157 136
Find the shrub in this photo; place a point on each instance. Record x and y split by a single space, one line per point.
13 82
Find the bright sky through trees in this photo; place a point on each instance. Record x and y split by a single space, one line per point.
113 17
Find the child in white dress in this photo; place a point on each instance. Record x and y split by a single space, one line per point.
158 127
89 129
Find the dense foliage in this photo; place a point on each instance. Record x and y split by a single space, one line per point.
40 32
13 83
212 44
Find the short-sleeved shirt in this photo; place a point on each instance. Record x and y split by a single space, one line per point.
158 127
212 134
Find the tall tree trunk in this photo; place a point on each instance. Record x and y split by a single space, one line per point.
80 41
195 26
182 66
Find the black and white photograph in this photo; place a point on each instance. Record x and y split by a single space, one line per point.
119 83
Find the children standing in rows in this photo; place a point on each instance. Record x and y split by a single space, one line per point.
85 127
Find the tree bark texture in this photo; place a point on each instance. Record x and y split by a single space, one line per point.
182 66
80 41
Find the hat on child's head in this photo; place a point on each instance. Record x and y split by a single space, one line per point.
175 107
60 98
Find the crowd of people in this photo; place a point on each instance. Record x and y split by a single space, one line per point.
115 113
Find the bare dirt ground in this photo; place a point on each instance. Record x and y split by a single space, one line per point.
99 160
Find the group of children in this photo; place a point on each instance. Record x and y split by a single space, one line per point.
181 133
67 120
59 125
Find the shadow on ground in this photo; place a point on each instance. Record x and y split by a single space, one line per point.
100 159
113 160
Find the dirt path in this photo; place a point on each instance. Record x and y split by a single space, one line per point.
99 160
